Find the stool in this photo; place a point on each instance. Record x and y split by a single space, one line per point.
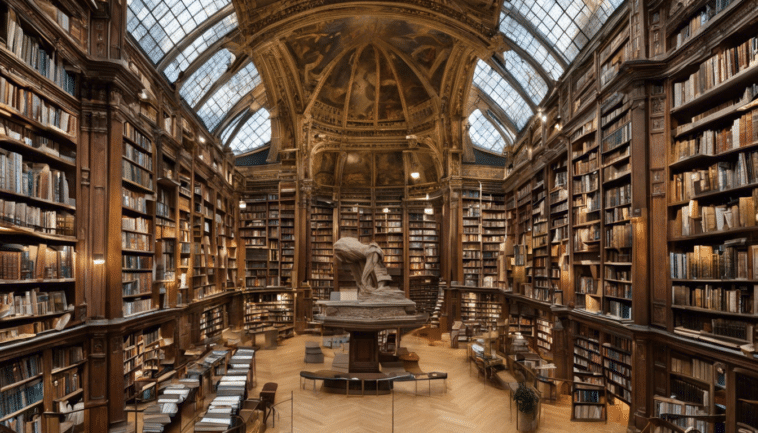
313 353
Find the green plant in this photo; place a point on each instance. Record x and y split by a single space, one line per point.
526 400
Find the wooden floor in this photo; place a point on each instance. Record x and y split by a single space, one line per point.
468 406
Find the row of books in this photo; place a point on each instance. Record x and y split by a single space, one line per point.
733 300
33 303
732 260
743 131
141 225
679 407
32 106
24 423
33 179
716 70
30 51
693 367
136 241
136 136
688 392
138 306
66 383
18 370
137 174
20 133
38 219
64 357
697 22
20 397
694 219
133 200
620 309
137 262
135 283
721 176
136 156
29 262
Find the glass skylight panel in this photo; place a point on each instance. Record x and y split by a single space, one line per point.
254 133
484 134
494 85
231 126
159 25
526 41
200 44
568 24
202 80
529 79
242 83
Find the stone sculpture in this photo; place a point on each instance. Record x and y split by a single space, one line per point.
366 263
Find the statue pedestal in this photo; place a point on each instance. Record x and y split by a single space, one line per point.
364 319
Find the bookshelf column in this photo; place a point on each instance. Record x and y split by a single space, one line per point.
642 362
638 150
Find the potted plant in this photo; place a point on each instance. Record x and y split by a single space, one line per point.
527 405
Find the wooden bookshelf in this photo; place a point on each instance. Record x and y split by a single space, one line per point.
558 266
137 222
212 322
287 233
472 238
423 258
322 249
481 306
270 307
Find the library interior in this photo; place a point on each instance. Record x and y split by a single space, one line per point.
378 215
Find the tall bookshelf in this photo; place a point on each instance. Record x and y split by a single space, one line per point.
544 328
205 254
423 258
540 281
38 222
472 237
273 307
746 395
617 365
287 233
137 222
712 195
166 240
485 307
616 138
388 233
523 260
493 235
212 322
184 276
558 267
254 236
322 249
585 215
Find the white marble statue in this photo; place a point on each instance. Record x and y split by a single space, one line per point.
366 263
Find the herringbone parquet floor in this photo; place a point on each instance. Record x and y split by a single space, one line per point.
467 406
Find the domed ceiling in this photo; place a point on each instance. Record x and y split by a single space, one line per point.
366 71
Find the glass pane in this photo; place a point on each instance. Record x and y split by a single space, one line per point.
568 24
534 85
202 80
494 85
230 128
254 133
168 21
242 83
527 42
484 134
200 44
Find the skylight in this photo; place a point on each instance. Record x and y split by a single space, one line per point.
484 134
502 93
242 83
255 133
567 24
159 25
526 41
529 79
202 80
182 61
232 126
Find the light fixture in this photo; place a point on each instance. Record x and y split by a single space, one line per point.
558 126
99 259
243 204
429 211
201 139
386 210
142 94
415 175
427 196
544 118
